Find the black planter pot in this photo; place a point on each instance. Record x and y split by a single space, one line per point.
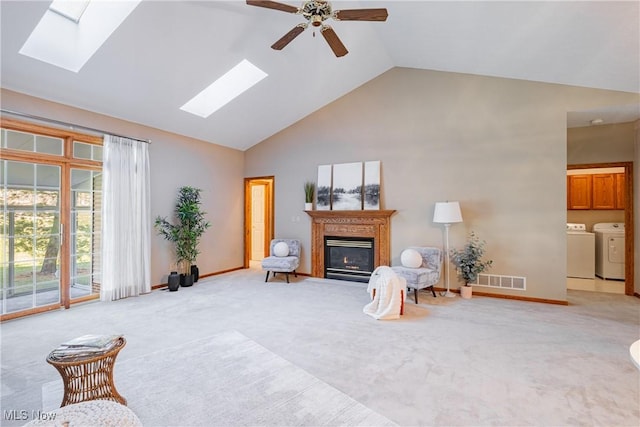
195 271
186 280
174 281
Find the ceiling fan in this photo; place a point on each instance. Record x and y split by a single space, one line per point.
316 12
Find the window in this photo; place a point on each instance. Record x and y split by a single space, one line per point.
50 219
86 151
34 143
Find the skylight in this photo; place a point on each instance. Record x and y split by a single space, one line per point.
61 40
70 9
222 91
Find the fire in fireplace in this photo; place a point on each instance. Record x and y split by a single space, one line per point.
348 258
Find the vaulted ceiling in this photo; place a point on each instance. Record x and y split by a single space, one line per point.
165 52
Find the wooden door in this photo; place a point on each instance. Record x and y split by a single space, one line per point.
257 221
258 217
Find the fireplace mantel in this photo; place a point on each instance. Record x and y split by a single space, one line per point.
374 224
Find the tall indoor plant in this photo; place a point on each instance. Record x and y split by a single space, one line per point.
468 262
186 232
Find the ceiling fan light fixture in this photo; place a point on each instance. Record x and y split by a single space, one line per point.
316 12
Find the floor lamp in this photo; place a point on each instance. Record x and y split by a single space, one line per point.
447 213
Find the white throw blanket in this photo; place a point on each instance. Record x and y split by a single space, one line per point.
389 291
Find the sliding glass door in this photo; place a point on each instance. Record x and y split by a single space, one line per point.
50 224
30 235
86 195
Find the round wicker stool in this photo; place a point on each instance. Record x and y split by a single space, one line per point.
89 377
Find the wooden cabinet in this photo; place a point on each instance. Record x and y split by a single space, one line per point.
597 191
621 191
604 191
579 191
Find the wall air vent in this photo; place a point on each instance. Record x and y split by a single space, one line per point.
501 282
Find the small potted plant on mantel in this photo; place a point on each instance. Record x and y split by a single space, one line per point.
468 263
309 192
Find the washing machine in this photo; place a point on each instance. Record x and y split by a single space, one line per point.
609 250
580 252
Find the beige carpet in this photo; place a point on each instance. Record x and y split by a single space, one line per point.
223 380
484 361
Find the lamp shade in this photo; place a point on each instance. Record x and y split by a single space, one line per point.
447 213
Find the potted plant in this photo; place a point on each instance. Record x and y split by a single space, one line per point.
468 263
186 232
309 191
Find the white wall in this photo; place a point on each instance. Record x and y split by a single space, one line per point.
175 161
600 144
496 145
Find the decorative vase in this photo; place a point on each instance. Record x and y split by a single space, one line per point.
174 281
186 280
466 291
308 206
195 271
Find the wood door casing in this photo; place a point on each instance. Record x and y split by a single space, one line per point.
268 183
628 218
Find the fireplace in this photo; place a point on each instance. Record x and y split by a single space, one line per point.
370 225
348 258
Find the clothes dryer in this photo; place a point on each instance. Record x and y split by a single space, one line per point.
609 250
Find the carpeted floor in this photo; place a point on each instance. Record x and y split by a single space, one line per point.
227 379
484 361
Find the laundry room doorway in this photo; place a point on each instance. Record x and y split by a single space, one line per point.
613 182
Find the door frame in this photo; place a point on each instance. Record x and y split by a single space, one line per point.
629 243
66 161
268 182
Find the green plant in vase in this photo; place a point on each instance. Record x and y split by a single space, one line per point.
468 260
185 234
309 192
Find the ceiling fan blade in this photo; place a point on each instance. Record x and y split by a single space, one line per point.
287 38
334 42
361 15
273 5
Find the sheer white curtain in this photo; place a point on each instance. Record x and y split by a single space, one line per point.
126 223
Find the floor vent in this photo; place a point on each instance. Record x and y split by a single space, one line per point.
501 282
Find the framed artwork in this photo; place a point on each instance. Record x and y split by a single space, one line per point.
371 190
323 188
347 186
